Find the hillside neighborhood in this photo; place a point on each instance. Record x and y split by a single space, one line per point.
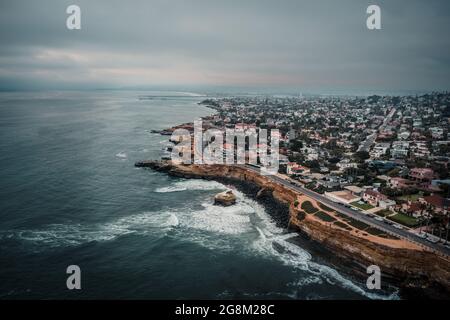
385 156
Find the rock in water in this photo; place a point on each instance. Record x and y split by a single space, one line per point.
226 198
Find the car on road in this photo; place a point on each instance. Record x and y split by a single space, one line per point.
354 208
388 222
379 218
398 226
433 239
371 215
422 235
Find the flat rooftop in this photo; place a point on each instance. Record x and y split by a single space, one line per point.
354 189
344 194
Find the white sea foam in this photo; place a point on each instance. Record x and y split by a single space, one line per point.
276 245
56 235
272 241
192 184
227 220
121 155
247 217
211 226
67 235
305 281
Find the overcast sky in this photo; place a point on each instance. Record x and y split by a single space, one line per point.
268 44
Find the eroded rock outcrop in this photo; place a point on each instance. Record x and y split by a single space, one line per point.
226 198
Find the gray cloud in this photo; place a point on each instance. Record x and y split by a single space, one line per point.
301 44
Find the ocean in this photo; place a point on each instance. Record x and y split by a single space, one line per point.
70 195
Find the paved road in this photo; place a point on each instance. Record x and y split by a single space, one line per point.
358 215
370 140
367 144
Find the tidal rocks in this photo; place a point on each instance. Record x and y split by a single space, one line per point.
226 198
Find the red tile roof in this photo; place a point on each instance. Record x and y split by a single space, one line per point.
437 201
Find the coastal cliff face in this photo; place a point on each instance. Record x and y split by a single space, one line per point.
413 266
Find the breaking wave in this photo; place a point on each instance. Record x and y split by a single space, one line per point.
214 227
194 184
249 217
56 235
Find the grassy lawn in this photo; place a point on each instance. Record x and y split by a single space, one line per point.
374 231
404 219
411 197
361 205
301 215
324 207
383 213
343 225
379 233
325 217
357 224
308 207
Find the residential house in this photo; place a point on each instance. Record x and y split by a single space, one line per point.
342 196
438 203
421 174
296 169
401 183
373 197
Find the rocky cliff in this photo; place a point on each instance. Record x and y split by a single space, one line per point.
226 198
411 265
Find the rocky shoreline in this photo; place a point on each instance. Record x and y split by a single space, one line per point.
417 271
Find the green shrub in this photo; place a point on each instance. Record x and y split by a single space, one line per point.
324 207
343 225
325 217
308 207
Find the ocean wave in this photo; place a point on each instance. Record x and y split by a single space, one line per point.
57 235
218 219
294 256
244 226
273 241
192 184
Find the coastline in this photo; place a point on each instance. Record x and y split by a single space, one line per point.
416 271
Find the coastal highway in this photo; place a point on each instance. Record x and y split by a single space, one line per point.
357 215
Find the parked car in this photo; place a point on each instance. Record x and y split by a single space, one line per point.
379 218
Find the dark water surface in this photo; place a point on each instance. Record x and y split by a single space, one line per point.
69 194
